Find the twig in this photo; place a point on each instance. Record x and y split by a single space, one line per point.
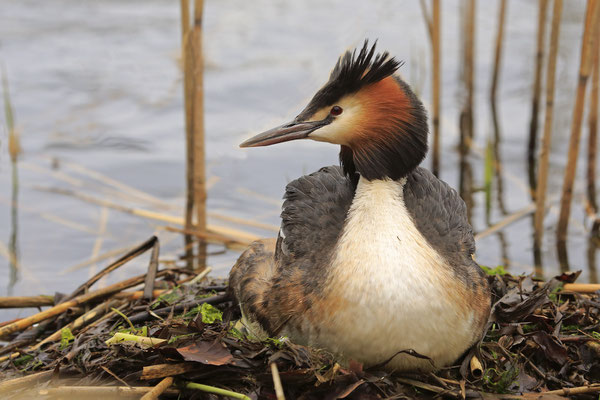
158 389
277 382
216 390
589 39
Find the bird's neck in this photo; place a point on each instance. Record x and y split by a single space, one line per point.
393 146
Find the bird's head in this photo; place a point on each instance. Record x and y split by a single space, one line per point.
378 121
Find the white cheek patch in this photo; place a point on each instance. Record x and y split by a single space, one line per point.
339 131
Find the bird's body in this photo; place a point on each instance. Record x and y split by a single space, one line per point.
373 258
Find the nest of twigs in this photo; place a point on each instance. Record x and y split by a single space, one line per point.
543 340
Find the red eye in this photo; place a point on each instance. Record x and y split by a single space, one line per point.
336 110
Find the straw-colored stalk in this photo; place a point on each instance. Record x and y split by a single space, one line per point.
592 205
498 50
469 73
194 97
99 392
433 24
537 88
198 118
158 389
187 62
542 176
198 131
585 67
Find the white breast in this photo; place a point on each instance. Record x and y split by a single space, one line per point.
396 289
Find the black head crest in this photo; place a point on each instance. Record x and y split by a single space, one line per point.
351 73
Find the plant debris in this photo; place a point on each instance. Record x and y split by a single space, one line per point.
543 339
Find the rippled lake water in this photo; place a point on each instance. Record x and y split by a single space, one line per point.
96 86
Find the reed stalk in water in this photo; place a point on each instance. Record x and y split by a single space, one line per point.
585 67
542 173
537 88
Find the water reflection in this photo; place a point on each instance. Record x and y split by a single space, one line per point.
13 246
592 250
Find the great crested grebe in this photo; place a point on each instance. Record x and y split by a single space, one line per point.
373 257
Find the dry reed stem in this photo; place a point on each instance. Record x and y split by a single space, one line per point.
469 74
542 177
81 321
591 204
426 17
101 257
185 20
229 242
198 117
102 392
581 287
135 252
259 196
595 388
199 165
537 85
277 382
26 301
24 381
244 221
158 389
476 367
152 269
59 175
589 39
498 50
82 299
51 217
235 234
103 220
514 217
164 370
188 60
115 184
